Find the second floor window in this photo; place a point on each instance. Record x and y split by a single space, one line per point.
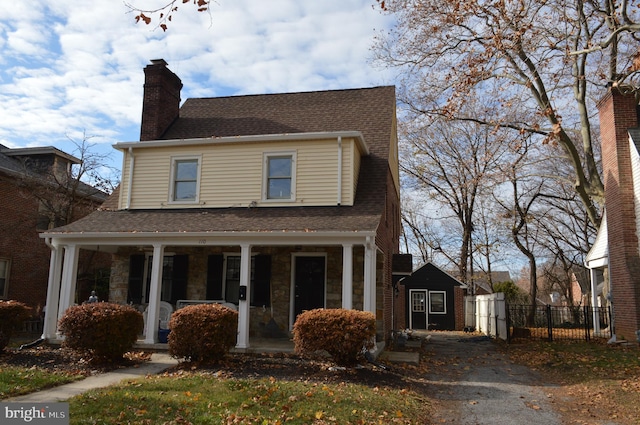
184 182
279 176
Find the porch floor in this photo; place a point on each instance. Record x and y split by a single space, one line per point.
256 345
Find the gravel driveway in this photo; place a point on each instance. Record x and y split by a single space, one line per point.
475 383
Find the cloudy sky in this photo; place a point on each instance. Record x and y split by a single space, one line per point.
70 67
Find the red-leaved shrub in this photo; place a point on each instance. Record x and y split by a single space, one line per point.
342 333
103 331
12 315
202 332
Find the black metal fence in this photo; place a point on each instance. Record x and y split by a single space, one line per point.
554 323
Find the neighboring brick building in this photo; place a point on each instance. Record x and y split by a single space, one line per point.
32 203
616 250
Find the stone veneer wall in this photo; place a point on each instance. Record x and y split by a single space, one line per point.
281 261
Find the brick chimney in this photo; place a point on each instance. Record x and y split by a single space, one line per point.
161 101
618 114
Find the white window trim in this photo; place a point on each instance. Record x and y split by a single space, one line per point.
412 292
265 175
4 295
444 293
175 159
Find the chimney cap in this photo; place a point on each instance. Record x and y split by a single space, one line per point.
159 62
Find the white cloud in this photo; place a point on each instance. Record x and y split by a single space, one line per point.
70 66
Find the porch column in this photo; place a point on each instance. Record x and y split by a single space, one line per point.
153 311
243 304
53 293
370 276
594 301
347 276
69 275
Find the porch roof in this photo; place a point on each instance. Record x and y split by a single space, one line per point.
229 220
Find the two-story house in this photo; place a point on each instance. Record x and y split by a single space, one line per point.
36 196
274 203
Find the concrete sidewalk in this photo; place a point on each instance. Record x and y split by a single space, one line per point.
158 363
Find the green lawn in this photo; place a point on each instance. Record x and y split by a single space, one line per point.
203 398
16 381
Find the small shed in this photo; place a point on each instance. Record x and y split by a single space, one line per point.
434 299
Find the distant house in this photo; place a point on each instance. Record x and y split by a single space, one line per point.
273 203
35 198
614 259
434 300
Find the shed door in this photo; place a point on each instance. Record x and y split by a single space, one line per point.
418 309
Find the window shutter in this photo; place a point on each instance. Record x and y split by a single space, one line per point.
179 278
262 281
214 277
136 276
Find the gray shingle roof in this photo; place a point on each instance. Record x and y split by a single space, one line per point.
369 110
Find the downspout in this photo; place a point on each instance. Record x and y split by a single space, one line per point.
132 162
339 170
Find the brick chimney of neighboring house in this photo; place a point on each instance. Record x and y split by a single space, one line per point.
161 101
619 113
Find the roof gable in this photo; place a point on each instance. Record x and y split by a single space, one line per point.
431 273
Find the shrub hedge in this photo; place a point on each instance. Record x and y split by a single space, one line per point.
103 331
12 315
342 333
202 332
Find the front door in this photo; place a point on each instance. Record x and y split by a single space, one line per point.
308 284
418 309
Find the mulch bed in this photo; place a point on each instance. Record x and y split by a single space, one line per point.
63 360
240 366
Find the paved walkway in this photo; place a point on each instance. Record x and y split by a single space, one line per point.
475 384
158 363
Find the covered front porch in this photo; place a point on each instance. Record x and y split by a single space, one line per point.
269 278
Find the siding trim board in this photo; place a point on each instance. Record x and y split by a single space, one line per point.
261 138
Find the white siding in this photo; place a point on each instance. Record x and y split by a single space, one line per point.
635 170
232 174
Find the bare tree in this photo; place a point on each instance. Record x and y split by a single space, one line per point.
489 242
68 189
538 66
519 198
163 11
451 164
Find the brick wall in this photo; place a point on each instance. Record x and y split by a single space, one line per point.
458 300
27 253
161 100
388 240
618 113
21 245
